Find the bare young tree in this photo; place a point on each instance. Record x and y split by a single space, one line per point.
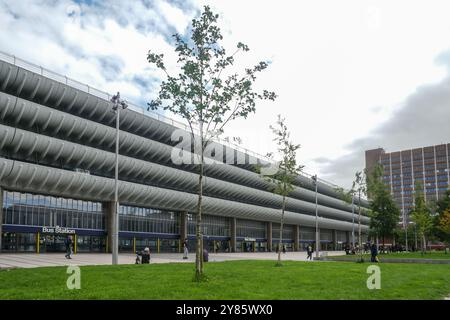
282 181
205 96
349 198
421 215
359 186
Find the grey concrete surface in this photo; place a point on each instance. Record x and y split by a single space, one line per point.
33 260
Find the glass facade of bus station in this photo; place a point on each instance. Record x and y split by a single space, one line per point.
26 213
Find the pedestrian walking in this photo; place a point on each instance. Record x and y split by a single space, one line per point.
309 251
374 253
68 243
185 249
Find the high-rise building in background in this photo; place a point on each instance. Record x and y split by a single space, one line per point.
429 165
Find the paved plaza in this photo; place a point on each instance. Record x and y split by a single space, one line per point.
33 260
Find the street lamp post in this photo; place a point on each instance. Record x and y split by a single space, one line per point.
415 237
117 105
405 223
415 234
359 225
314 178
353 221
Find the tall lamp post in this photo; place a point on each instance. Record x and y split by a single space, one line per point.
353 221
405 224
314 179
415 234
117 105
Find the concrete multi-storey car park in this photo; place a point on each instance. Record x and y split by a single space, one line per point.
57 157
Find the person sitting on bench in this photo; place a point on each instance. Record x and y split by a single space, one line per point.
145 256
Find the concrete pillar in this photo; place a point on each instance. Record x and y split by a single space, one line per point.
1 217
296 238
269 236
233 234
183 226
108 211
334 239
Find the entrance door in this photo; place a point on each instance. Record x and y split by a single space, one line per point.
125 245
52 243
26 242
90 244
221 246
168 245
261 246
9 241
209 245
248 246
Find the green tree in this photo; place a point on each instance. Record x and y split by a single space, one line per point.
282 181
443 226
442 208
444 202
205 95
385 213
421 216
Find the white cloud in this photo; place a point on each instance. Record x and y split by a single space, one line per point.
175 16
332 64
340 68
78 39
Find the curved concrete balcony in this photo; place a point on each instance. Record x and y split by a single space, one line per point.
68 127
70 96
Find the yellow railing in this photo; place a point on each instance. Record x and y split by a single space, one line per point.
38 243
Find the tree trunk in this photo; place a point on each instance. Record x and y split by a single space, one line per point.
199 253
424 244
199 233
280 242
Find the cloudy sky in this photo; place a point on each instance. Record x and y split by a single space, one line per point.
350 75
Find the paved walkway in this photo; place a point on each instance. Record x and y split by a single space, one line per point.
32 260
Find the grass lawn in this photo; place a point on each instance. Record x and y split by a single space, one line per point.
230 280
405 255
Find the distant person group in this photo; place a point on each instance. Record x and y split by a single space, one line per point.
143 257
